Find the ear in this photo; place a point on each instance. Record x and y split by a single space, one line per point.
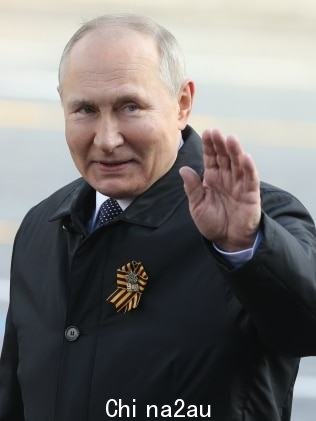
185 100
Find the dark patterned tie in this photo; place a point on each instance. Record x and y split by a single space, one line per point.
108 210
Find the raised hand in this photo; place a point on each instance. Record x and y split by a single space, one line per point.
225 205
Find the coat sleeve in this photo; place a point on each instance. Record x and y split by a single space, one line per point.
11 406
277 287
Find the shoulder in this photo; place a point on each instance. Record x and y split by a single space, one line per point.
269 189
282 210
275 200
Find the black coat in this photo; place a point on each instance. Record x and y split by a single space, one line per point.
202 332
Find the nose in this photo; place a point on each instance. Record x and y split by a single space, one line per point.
107 135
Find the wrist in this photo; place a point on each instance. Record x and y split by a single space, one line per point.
234 246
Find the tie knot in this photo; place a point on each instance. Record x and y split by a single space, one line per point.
108 210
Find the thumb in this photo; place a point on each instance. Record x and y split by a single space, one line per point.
192 185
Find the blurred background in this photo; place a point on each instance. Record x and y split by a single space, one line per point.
254 65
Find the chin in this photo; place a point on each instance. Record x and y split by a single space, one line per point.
117 192
119 187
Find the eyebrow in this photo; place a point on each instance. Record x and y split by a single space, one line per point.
77 103
129 97
119 100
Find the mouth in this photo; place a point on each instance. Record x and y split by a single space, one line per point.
112 165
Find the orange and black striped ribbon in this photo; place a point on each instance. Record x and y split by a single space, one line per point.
127 295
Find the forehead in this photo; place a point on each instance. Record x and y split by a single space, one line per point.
111 51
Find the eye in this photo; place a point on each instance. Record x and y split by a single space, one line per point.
131 107
85 109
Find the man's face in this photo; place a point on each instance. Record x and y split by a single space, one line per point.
122 124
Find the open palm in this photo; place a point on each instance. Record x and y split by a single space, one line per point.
225 205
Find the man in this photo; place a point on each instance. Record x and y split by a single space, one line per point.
166 302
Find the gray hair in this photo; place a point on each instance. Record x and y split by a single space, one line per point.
171 68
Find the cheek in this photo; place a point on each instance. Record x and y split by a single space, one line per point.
142 137
139 128
77 137
157 143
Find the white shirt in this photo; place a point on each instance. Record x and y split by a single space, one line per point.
99 199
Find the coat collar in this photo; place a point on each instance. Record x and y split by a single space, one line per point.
152 207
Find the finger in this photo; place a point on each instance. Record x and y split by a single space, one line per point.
209 153
192 185
236 154
218 142
243 165
252 180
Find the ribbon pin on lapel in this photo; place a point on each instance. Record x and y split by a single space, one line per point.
131 280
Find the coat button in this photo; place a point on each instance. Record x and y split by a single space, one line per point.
72 333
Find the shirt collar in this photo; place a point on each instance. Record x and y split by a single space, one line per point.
101 198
